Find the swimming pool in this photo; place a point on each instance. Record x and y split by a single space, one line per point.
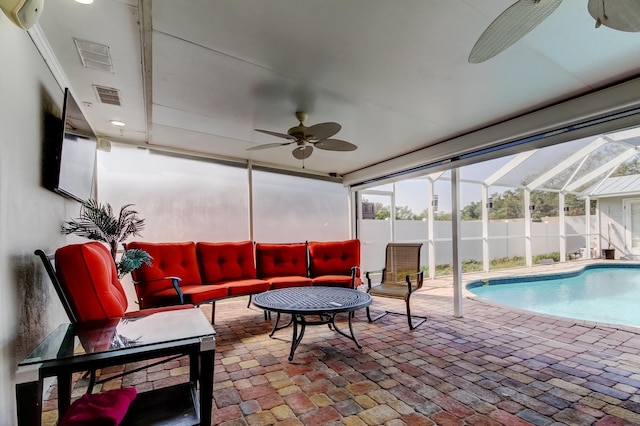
599 292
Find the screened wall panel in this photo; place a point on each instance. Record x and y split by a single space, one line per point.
180 199
294 209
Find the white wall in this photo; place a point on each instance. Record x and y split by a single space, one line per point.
506 239
30 216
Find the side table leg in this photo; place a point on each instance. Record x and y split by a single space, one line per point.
64 393
194 370
206 387
29 403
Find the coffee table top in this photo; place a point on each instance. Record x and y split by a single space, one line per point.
312 300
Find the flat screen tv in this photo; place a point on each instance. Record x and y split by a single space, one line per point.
70 154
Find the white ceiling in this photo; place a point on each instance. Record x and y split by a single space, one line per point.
394 74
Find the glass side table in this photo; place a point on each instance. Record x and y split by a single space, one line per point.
98 344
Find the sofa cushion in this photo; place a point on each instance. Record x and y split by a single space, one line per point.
89 278
175 259
336 281
277 260
249 286
221 262
288 281
106 408
333 257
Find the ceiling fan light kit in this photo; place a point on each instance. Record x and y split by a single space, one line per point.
306 138
524 15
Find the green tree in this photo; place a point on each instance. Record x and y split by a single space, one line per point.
628 168
472 211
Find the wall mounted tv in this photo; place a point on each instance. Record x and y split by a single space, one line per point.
70 154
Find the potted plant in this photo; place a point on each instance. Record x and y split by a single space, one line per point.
98 222
609 252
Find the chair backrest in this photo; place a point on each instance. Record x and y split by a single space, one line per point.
226 261
169 259
401 259
277 260
333 257
86 280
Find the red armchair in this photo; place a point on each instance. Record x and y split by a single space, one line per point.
86 281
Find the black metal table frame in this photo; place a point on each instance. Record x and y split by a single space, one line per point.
201 351
326 317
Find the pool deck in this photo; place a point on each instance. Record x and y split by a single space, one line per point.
494 366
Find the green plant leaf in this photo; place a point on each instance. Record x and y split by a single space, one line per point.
131 260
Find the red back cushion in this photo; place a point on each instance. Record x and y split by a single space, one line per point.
226 261
278 260
333 257
89 278
168 260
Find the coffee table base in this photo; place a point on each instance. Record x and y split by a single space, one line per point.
302 321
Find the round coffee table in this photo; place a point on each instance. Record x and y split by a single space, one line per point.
323 302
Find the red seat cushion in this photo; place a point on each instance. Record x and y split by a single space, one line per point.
288 281
177 259
333 257
278 260
89 278
106 408
336 281
228 261
250 286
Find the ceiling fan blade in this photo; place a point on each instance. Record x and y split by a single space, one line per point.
622 15
302 152
268 145
335 145
280 135
322 131
512 24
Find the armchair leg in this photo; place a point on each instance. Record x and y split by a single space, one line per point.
412 326
376 318
422 319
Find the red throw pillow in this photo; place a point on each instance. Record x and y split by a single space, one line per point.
100 409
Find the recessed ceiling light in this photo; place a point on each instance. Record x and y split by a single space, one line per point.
118 123
84 1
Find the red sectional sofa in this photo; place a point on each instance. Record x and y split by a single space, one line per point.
204 272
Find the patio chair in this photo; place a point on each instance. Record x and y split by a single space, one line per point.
399 279
86 281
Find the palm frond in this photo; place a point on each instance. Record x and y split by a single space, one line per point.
97 222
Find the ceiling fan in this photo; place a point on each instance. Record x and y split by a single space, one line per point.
306 138
524 15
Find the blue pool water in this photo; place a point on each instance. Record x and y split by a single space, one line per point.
601 293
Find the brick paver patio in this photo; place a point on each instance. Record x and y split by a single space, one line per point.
494 366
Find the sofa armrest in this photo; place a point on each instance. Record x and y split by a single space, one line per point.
175 281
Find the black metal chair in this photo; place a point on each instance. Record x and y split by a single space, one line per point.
399 279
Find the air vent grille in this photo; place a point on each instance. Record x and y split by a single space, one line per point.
94 56
108 95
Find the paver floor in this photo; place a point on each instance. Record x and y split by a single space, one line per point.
493 366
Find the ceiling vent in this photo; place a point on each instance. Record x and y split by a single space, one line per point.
108 95
94 56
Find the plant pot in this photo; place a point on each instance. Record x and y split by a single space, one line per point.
609 253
